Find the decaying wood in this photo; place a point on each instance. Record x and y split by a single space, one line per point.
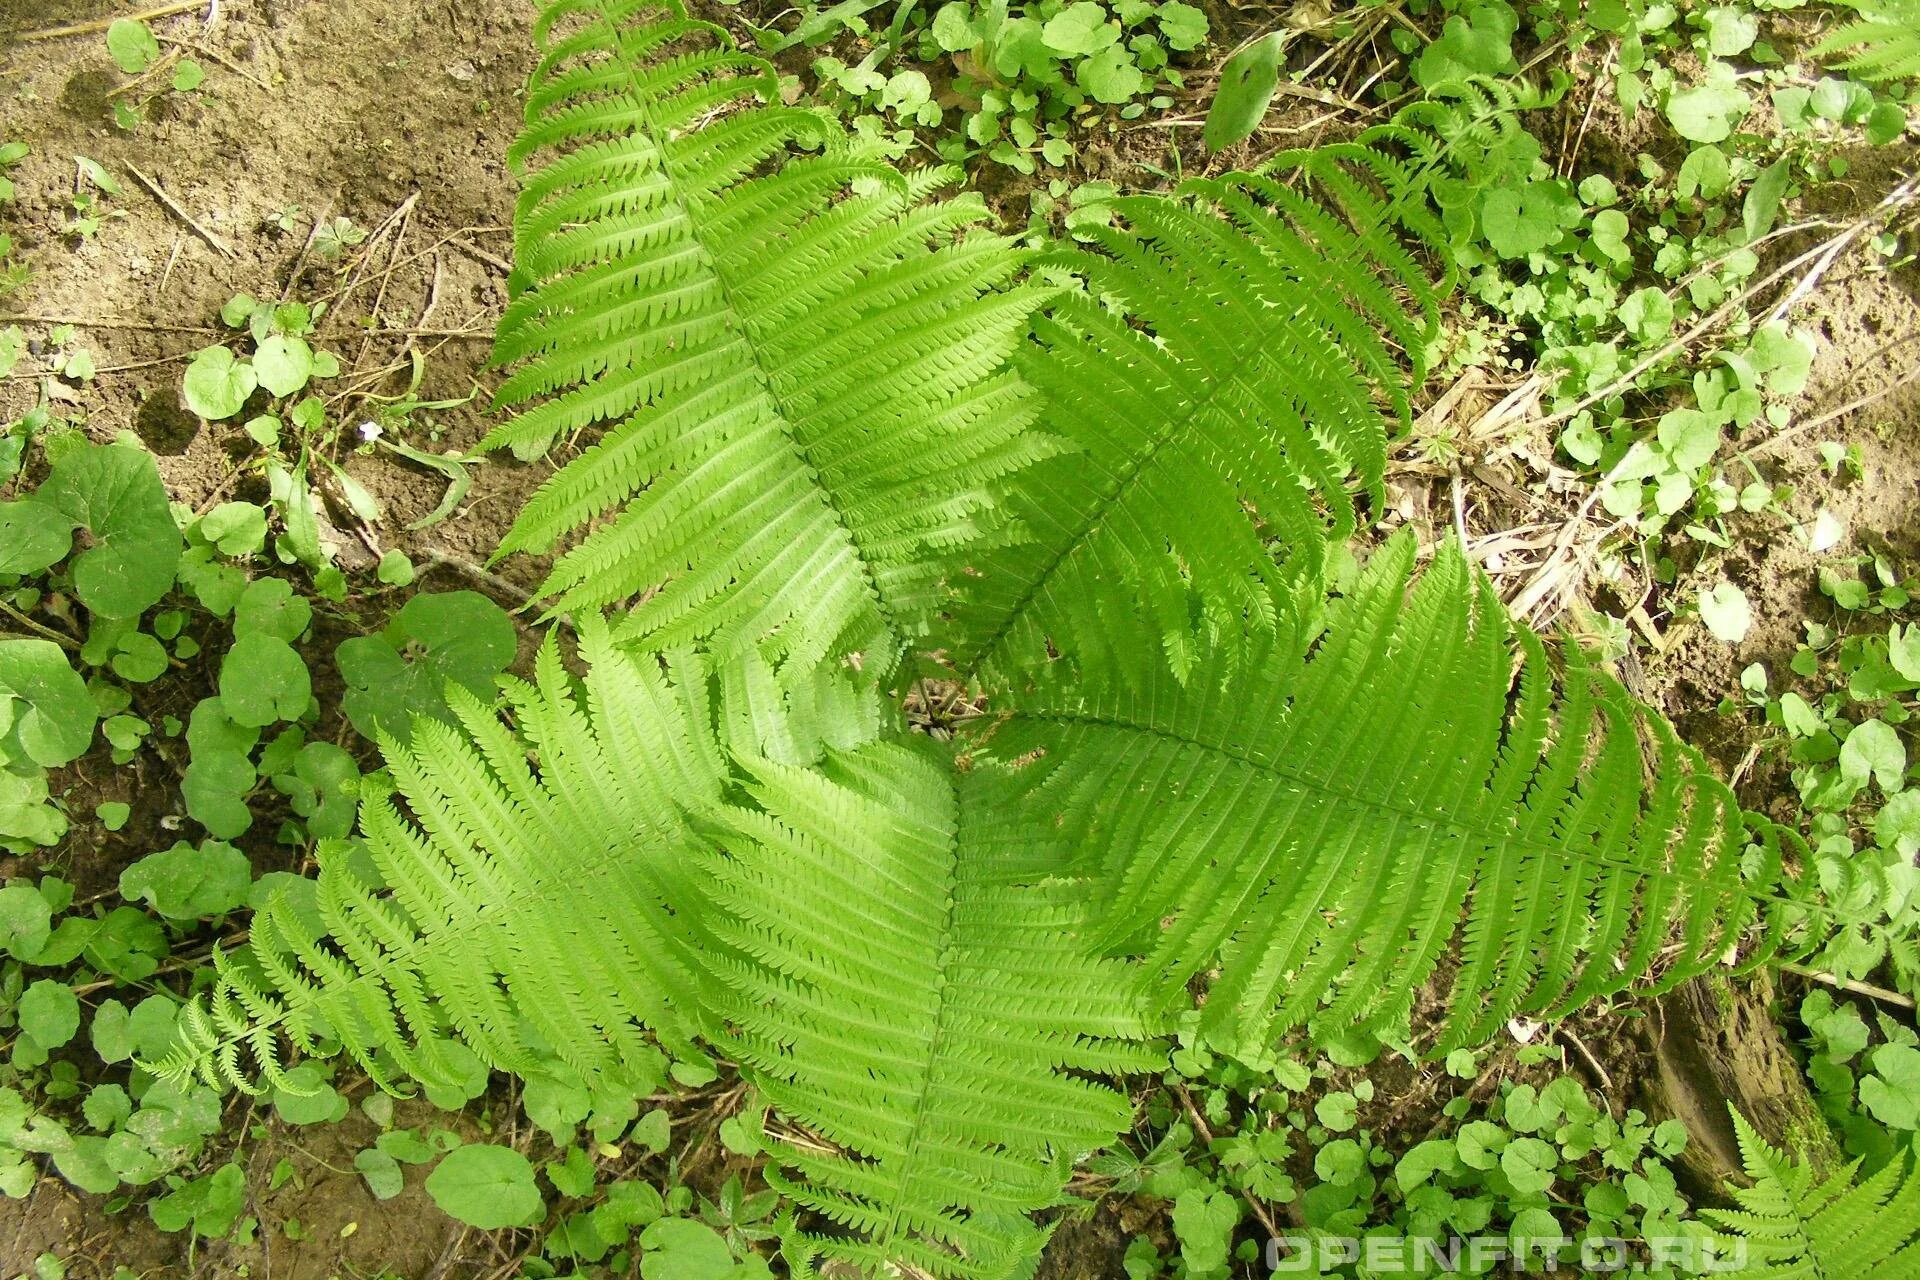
1715 1042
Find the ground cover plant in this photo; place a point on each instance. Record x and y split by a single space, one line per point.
1075 640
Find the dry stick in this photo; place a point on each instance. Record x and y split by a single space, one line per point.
106 322
174 207
101 24
1866 989
65 642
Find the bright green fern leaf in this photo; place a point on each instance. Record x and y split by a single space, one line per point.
1328 823
791 364
1227 379
507 899
895 989
1792 1225
1884 41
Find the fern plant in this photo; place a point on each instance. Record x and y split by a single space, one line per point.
837 425
1794 1225
1883 43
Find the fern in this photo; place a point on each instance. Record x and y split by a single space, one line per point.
826 431
1325 823
1220 373
1884 40
792 361
516 907
1792 1225
895 990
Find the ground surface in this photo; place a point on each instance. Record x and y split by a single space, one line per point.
397 114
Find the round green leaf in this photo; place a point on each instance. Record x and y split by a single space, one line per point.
487 1187
457 636
25 921
189 883
115 493
1708 112
217 385
263 680
132 45
283 364
49 1013
53 715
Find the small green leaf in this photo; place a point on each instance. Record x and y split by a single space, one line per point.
283 364
1247 85
457 636
1110 75
236 528
1725 610
217 385
51 714
49 1013
187 882
132 45
395 569
487 1187
263 680
1079 29
1708 112
1874 750
1184 26
115 493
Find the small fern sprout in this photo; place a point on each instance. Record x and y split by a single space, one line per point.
1794 1225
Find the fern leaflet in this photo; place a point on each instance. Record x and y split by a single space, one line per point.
512 903
796 359
1794 1226
892 988
1884 40
1327 821
1221 376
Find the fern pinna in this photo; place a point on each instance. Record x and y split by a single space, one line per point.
1792 1224
833 423
1883 43
791 360
1218 367
1320 824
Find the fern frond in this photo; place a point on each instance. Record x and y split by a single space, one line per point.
1225 374
1884 40
895 990
793 363
527 895
1328 822
1791 1225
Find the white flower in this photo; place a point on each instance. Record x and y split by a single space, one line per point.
370 431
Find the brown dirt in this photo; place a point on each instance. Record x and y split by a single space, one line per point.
342 109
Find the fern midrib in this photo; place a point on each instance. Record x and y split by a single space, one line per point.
669 167
1174 430
1489 835
936 1043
